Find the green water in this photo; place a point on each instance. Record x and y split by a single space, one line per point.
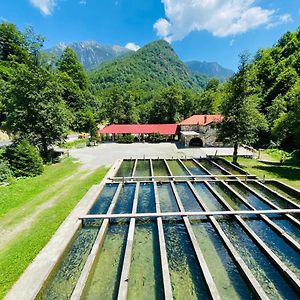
146 201
210 167
208 198
166 198
251 198
276 243
142 168
145 277
283 192
176 168
194 168
270 196
228 196
187 197
160 169
290 228
230 283
64 278
228 167
112 252
272 281
125 199
126 168
104 282
186 276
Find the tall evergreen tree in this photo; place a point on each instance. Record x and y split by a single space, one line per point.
70 64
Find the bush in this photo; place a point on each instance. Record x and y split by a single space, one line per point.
155 137
126 138
24 159
5 171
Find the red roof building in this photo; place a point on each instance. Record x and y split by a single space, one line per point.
202 120
163 129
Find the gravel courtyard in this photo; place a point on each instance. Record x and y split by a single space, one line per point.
106 154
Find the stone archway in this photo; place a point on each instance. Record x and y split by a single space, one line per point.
196 142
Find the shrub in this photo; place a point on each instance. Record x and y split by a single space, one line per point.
126 138
155 137
5 171
24 159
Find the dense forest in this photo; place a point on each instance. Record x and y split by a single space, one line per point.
41 100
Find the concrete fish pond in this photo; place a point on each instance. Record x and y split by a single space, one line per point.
173 229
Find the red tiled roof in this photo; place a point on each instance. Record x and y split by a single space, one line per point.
202 120
164 129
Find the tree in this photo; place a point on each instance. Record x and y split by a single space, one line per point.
167 106
70 64
242 119
35 108
24 159
12 44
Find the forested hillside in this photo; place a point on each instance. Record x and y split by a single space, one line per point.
154 66
275 73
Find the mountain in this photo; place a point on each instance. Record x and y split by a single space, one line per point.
153 66
210 69
90 53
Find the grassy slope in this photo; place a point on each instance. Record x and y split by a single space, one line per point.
22 249
289 172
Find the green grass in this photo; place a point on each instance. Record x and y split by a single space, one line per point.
28 189
20 252
79 143
288 172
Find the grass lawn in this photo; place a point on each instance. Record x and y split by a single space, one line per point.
59 186
288 172
79 143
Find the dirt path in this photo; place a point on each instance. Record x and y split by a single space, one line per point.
10 229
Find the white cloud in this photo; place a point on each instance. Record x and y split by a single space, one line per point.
283 19
220 17
45 6
82 2
132 46
162 27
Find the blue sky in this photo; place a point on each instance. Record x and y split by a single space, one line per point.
205 30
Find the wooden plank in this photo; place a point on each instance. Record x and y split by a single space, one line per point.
169 170
134 169
278 194
123 287
290 217
201 260
184 166
254 284
81 283
191 213
290 276
151 169
163 251
274 226
177 176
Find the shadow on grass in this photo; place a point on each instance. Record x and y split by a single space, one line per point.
284 171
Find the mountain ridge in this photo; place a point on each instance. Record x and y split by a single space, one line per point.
90 53
211 69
